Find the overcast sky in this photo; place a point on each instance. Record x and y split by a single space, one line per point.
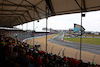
91 22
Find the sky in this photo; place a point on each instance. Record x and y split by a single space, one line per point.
91 22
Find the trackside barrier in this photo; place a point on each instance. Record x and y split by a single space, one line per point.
59 52
40 46
76 55
52 49
63 52
35 37
30 42
37 42
93 58
54 36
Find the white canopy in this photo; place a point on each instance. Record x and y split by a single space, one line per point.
14 12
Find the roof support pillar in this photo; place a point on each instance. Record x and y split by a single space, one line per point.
34 9
49 4
29 15
78 5
84 6
24 18
20 19
47 12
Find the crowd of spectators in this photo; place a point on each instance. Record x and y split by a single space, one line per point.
24 34
14 53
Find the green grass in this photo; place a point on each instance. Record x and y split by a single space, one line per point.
95 41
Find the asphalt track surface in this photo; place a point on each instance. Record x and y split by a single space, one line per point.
85 47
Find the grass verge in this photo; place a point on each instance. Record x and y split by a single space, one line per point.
95 41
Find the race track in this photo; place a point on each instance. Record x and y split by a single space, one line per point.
85 47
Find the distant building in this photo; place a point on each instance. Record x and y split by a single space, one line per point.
92 33
96 33
57 31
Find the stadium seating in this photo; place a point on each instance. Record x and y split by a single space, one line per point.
14 53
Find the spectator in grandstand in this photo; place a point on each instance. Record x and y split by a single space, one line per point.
38 61
46 61
14 54
29 57
21 59
21 56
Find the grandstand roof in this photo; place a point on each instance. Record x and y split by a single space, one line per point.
15 12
